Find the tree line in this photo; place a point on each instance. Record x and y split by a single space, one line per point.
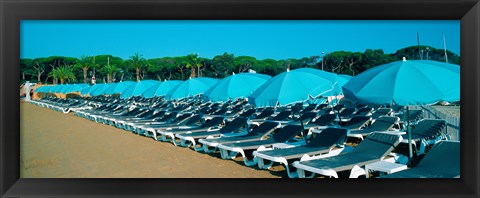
109 68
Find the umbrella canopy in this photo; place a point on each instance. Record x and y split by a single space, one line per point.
406 83
161 89
235 86
42 89
74 88
118 88
341 80
403 83
293 86
86 90
99 90
191 87
56 88
138 88
64 88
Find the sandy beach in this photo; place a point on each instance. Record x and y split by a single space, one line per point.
57 145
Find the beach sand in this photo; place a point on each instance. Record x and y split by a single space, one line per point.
57 145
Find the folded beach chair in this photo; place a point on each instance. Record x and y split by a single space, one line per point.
441 161
258 133
209 125
170 120
321 144
284 135
426 132
381 112
372 149
237 127
346 114
282 117
326 110
364 111
264 114
357 122
413 116
383 123
321 122
129 125
189 122
321 106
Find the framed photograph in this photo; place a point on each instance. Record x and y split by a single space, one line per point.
224 98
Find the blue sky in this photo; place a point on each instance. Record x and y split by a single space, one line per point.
279 39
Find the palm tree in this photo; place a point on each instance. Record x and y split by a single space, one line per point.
84 63
110 70
63 73
192 62
137 64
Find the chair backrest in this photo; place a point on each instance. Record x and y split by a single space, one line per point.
326 110
429 127
307 117
221 111
265 113
234 125
193 120
357 121
308 109
287 132
284 115
247 113
413 115
157 115
338 107
324 120
182 118
384 123
347 112
363 111
444 156
168 117
212 122
378 144
265 128
381 112
321 106
329 137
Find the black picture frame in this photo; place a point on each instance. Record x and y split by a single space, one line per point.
12 11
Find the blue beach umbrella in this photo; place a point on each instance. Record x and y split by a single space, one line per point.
86 90
235 86
99 90
41 89
406 83
75 88
118 88
292 87
48 88
403 83
161 89
191 87
139 88
341 80
56 89
64 88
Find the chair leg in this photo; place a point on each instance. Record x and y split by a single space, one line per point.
356 172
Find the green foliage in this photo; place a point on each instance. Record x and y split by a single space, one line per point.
223 65
180 68
63 73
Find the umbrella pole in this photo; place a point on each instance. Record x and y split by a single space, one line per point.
410 151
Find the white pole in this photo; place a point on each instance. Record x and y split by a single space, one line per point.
445 47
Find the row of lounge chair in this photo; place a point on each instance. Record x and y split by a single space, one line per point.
303 139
